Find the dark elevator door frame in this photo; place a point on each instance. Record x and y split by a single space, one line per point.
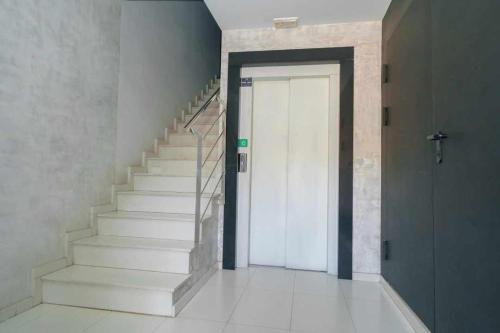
345 57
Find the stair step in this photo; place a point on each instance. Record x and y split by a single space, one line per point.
135 291
166 167
159 202
147 225
149 254
186 152
152 182
188 138
202 128
203 120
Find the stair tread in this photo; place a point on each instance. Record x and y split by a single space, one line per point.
149 216
174 160
146 174
163 193
129 278
138 243
186 145
191 135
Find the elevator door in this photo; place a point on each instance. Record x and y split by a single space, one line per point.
289 180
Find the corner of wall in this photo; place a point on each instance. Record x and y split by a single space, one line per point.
415 322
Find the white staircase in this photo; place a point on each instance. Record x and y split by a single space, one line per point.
144 257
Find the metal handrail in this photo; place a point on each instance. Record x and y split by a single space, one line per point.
213 147
211 173
203 107
211 196
201 162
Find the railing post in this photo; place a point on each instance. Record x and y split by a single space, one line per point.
199 215
199 160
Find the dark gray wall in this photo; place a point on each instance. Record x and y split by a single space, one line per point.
169 51
442 220
407 158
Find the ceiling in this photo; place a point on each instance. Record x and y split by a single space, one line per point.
244 14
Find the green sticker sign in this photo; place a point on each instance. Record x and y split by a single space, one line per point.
242 143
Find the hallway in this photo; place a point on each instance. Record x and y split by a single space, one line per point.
254 300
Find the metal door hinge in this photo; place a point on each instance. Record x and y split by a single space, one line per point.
386 250
386 116
385 74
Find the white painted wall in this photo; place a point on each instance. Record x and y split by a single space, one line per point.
366 38
59 62
169 51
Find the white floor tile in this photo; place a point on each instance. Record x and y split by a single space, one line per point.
379 316
272 279
184 325
21 319
213 303
317 283
266 308
255 300
62 319
238 278
233 328
321 314
362 290
126 323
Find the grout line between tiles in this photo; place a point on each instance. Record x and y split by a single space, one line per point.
348 307
293 300
159 325
107 314
237 303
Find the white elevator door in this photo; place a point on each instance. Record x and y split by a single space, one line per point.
269 173
289 186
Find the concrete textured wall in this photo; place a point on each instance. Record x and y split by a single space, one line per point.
366 39
59 62
169 51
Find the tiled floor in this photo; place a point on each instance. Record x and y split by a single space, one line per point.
255 300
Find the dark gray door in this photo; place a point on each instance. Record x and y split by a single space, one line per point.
407 222
466 89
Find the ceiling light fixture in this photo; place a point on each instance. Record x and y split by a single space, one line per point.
285 22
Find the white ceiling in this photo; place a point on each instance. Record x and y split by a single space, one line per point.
243 14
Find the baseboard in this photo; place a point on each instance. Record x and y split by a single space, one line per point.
119 188
38 272
15 309
181 303
405 309
368 277
96 210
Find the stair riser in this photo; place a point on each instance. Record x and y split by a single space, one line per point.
179 230
202 128
131 258
113 298
158 204
176 139
203 120
170 184
177 168
185 153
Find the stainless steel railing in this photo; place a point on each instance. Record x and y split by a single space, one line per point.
209 165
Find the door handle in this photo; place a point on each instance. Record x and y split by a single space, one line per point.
438 138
